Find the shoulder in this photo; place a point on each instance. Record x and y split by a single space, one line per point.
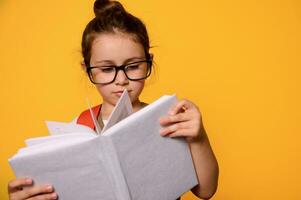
85 116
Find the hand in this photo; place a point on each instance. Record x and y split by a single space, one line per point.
184 120
23 188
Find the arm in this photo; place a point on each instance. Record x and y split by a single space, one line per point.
184 120
206 167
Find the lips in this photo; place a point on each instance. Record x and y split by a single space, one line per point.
120 91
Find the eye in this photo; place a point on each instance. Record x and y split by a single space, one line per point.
132 67
107 69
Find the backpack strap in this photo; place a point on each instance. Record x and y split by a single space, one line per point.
85 117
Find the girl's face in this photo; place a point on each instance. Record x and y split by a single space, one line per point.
115 49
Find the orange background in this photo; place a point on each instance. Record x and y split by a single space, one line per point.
239 61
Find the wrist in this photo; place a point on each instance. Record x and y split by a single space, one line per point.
200 138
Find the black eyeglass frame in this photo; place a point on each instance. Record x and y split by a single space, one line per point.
123 68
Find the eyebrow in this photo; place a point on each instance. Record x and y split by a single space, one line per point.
126 61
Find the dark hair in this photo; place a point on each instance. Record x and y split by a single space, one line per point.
110 17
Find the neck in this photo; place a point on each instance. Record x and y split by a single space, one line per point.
107 108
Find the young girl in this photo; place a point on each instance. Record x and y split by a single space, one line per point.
115 48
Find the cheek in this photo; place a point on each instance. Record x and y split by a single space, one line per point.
137 86
103 90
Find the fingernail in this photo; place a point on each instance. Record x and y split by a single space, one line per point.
162 132
28 181
54 196
49 188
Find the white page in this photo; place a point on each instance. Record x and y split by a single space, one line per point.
58 128
54 138
153 166
52 144
97 127
76 171
122 109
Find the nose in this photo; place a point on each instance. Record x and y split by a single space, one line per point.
121 78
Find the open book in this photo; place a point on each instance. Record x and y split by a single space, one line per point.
128 160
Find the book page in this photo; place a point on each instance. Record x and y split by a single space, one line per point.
122 109
96 124
153 166
76 171
52 143
59 128
56 138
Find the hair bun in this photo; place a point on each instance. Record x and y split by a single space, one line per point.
104 7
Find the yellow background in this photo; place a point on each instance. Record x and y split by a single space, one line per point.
239 61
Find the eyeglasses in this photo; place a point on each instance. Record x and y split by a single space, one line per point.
134 71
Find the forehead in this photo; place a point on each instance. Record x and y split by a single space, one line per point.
116 47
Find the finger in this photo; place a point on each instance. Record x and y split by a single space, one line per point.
180 106
17 184
35 190
180 117
180 133
44 197
174 127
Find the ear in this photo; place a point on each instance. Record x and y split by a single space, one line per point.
83 65
151 55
